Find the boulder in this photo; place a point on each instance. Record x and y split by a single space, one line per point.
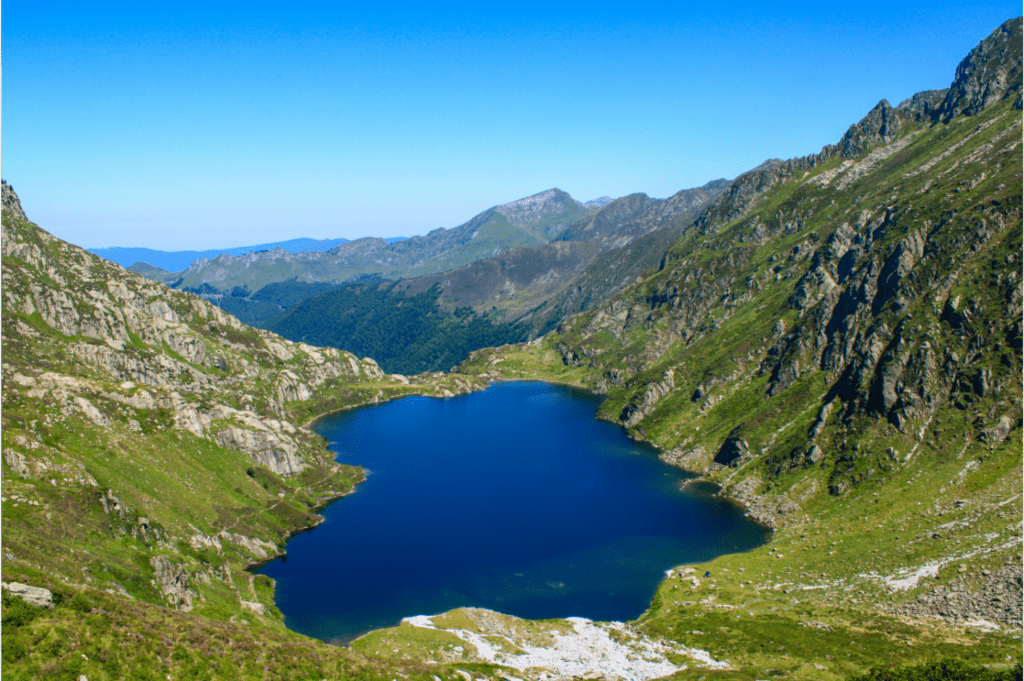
999 431
33 595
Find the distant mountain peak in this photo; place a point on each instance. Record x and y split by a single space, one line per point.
529 210
599 202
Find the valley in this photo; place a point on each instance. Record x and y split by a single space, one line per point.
834 340
499 278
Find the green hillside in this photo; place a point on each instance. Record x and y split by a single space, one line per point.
835 341
404 333
838 345
153 450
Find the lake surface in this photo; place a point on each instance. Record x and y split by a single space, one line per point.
514 498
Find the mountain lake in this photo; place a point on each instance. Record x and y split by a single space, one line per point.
514 499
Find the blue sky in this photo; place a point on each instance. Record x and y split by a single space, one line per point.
207 125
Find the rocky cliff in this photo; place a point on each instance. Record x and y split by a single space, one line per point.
989 74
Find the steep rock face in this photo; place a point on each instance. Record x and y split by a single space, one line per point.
638 408
173 582
882 124
924 104
12 204
989 74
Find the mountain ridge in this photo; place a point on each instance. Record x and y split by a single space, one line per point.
506 298
176 261
486 234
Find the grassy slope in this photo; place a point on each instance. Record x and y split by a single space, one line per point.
815 602
92 495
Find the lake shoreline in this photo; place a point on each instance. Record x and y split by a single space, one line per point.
521 412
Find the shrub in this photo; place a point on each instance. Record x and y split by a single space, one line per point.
943 670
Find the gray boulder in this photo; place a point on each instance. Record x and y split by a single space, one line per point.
33 595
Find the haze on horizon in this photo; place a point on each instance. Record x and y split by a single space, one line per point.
195 126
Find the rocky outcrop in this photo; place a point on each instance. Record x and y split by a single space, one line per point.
173 582
639 408
924 104
33 595
734 452
269 449
1001 429
11 203
882 125
994 598
989 74
258 549
689 458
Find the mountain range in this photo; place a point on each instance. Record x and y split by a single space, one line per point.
833 341
503 293
174 261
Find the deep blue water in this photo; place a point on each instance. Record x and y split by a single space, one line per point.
515 499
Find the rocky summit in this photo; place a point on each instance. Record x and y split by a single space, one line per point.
833 341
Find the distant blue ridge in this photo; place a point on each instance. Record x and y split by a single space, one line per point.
176 261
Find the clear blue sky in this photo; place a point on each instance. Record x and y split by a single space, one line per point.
205 125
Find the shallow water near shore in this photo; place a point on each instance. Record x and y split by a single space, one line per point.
514 498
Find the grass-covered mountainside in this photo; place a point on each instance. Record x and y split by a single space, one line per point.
153 448
837 342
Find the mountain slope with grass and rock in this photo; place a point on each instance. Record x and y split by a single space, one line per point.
835 341
837 344
154 448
